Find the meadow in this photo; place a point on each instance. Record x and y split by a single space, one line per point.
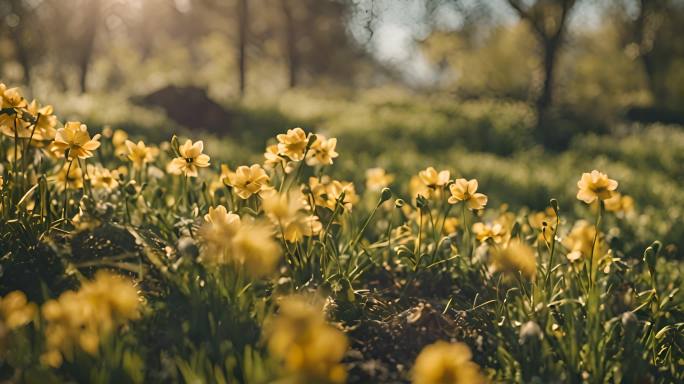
385 237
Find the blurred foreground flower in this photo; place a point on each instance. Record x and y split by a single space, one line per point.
515 257
15 310
446 363
309 348
229 240
85 317
286 211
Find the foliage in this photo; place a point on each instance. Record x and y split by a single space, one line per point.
157 263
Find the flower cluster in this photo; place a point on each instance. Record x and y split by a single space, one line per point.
85 317
230 240
309 349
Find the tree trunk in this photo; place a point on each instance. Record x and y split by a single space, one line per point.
243 25
92 19
545 98
22 57
290 44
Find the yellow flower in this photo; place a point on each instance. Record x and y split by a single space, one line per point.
221 180
272 156
619 203
75 138
595 185
102 177
45 123
433 179
322 151
73 181
326 192
254 248
515 257
466 191
293 143
377 179
217 233
580 240
119 139
11 98
247 181
191 158
83 318
450 225
15 310
42 129
286 211
446 363
309 349
494 231
139 153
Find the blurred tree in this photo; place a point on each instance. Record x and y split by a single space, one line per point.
548 21
20 21
653 33
243 30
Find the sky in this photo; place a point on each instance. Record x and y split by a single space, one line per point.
398 24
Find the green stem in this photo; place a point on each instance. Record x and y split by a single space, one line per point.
66 189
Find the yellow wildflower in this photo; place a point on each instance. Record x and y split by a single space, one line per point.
322 151
466 191
75 138
248 181
190 160
450 225
377 179
217 232
119 139
515 257
15 310
446 363
83 318
139 153
433 179
619 203
595 185
494 231
254 248
309 349
11 98
286 211
326 192
293 143
580 239
102 177
74 180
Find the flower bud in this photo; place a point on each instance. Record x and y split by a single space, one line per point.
398 203
385 195
554 205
